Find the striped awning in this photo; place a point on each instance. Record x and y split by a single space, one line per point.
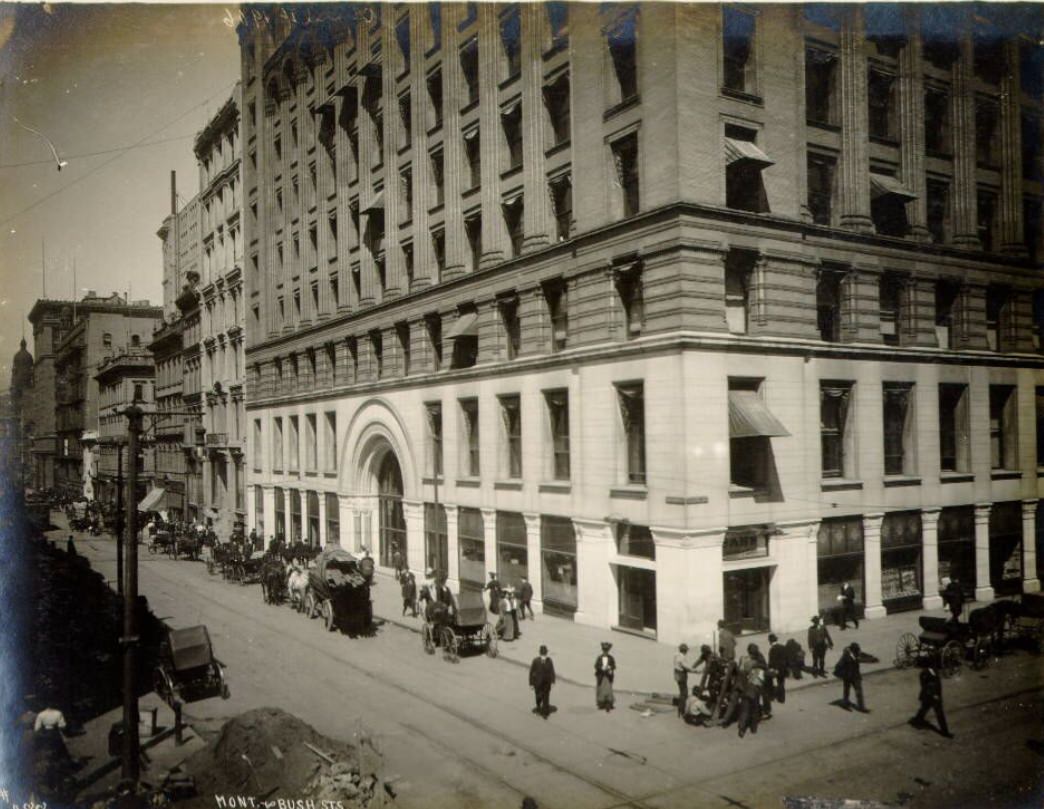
884 184
750 418
153 501
466 326
744 151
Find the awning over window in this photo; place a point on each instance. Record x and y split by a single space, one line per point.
466 326
154 501
743 151
750 418
884 184
376 204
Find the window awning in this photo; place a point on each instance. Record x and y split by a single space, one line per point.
750 418
153 501
471 133
376 204
466 326
743 151
884 184
511 108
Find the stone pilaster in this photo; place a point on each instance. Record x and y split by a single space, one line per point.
860 302
323 538
872 605
489 332
782 296
453 547
962 113
413 513
533 559
930 598
685 290
489 528
983 589
1030 582
1017 330
970 317
454 166
596 593
268 507
424 270
494 230
855 147
918 327
534 322
349 539
1010 200
537 223
393 198
911 126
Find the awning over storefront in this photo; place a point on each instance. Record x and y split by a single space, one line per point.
744 151
750 418
884 184
466 326
153 501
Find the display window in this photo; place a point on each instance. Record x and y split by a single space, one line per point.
471 548
901 561
558 564
957 548
840 560
512 548
1006 547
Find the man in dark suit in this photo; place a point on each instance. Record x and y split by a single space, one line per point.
819 641
493 585
931 699
776 682
848 670
541 678
848 596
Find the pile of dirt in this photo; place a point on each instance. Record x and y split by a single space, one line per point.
270 754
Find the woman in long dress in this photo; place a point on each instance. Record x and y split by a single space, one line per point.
605 671
507 623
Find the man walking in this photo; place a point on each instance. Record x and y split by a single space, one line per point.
525 595
819 641
409 593
953 597
541 678
726 642
848 670
931 699
681 676
751 678
847 598
776 682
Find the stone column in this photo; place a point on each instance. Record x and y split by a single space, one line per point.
494 231
983 589
423 194
268 507
489 528
872 606
391 58
930 598
413 512
911 126
855 146
323 538
453 167
860 304
812 566
288 495
452 547
596 591
690 587
962 111
533 559
251 511
1010 200
1030 582
348 539
537 225
305 515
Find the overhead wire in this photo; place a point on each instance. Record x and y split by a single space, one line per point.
224 89
126 148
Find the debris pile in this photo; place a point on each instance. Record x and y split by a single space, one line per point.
270 754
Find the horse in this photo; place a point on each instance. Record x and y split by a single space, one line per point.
296 585
273 579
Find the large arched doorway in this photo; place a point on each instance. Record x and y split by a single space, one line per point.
391 523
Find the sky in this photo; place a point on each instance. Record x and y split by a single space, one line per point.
93 79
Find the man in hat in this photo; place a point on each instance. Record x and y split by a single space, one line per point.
605 671
931 698
726 642
750 681
408 584
541 678
847 669
681 676
847 599
776 681
525 596
953 597
819 641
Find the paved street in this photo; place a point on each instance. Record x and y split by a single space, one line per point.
464 735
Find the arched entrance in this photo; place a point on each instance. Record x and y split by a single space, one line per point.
391 522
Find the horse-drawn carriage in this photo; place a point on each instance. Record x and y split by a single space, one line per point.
947 643
452 630
188 669
162 540
339 590
1027 619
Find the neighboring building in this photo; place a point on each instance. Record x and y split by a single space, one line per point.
681 311
39 409
182 250
216 354
93 330
125 378
19 427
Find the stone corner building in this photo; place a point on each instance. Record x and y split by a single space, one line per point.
680 311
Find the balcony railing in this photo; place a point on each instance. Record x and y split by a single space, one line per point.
217 439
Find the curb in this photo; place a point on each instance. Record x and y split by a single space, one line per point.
107 767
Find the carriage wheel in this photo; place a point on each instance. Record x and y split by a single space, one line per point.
225 691
326 609
489 637
980 653
163 685
450 645
906 650
310 604
950 657
427 638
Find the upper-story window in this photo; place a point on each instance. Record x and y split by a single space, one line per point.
433 326
631 401
947 295
828 304
625 162
558 428
377 351
881 98
513 217
821 174
402 334
469 70
888 199
629 288
891 296
434 84
738 29
473 154
937 121
406 117
987 117
511 421
744 162
465 337
899 428
998 314
511 42
435 24
558 22
739 270
433 411
402 36
821 86
937 195
511 122
511 323
1004 435
473 232
836 429
561 188
986 212
622 43
469 410
556 297
556 100
1030 146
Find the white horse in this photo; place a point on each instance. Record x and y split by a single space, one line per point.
297 584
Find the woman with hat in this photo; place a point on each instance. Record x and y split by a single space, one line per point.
605 671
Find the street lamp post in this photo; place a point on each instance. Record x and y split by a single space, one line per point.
131 752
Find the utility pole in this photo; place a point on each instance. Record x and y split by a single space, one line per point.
119 518
131 749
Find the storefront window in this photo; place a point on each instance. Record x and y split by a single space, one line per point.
558 563
1006 547
512 551
295 516
313 518
280 513
901 560
635 540
436 541
471 544
259 511
957 547
746 594
333 519
636 591
840 552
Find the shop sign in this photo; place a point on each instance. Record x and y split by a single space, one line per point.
745 545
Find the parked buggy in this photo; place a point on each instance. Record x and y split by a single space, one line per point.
163 541
188 669
454 631
1027 619
947 643
339 590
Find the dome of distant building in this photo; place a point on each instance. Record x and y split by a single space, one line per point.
21 372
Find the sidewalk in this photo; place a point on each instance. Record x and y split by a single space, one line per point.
643 665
